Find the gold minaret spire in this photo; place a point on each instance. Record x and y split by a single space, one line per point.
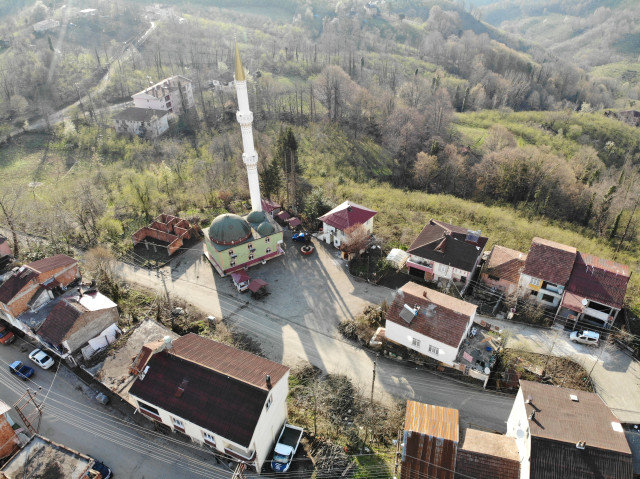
239 69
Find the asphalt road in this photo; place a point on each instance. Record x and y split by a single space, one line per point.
71 417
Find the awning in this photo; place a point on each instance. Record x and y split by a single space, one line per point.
269 206
240 277
256 284
573 302
294 222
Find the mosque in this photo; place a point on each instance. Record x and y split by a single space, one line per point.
232 242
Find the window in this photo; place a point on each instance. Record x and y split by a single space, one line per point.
434 350
415 342
443 268
230 252
251 255
267 240
534 282
269 401
208 438
167 98
493 277
533 292
147 408
251 248
233 262
177 423
548 298
268 250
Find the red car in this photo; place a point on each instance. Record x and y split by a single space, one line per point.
6 336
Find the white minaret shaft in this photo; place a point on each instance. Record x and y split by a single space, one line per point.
245 118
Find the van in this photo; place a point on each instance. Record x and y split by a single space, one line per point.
585 337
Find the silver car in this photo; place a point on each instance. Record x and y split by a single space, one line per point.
41 358
585 337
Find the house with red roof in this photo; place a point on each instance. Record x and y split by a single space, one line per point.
343 216
595 291
444 252
546 272
229 400
33 284
429 322
502 269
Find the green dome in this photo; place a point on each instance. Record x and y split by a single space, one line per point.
256 217
229 229
265 228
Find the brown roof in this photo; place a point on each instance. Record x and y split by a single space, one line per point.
599 279
60 321
558 418
16 282
506 263
435 421
228 360
51 263
447 244
484 455
550 261
491 444
446 322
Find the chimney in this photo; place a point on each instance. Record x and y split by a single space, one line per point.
268 379
532 416
168 343
581 445
80 291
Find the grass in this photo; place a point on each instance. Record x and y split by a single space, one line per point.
376 464
624 71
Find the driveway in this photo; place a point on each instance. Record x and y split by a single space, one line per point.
615 374
298 320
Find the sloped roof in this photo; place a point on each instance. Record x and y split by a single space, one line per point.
550 261
268 205
435 421
53 262
224 388
139 114
347 214
491 444
447 244
506 263
15 283
447 322
560 419
60 321
599 279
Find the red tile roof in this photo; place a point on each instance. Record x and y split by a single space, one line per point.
550 261
347 214
228 360
599 279
447 244
269 206
60 321
484 455
506 263
16 282
446 323
51 263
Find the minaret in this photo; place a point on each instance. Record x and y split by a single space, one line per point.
245 118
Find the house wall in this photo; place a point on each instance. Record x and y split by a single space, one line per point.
9 441
405 336
336 237
225 260
502 284
518 428
64 275
485 466
94 322
264 435
151 129
144 100
531 288
436 271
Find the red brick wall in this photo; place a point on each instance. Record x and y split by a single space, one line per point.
9 442
484 466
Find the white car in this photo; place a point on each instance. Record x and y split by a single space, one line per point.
585 337
41 358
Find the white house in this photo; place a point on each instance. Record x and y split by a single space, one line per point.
347 214
546 272
173 95
566 433
445 252
141 122
429 322
227 399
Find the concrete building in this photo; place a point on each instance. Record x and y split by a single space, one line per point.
219 396
567 434
429 322
173 95
143 122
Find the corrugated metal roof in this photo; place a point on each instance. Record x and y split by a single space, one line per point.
599 280
53 262
436 421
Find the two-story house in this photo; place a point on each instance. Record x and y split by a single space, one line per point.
429 322
445 252
595 291
143 122
32 285
173 95
546 272
567 434
343 216
230 400
502 269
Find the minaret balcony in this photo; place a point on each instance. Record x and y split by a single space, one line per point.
244 117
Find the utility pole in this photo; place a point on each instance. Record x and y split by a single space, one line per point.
239 471
373 382
29 418
395 467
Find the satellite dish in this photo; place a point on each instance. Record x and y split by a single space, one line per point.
487 370
585 301
520 433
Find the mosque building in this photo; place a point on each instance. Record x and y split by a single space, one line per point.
233 243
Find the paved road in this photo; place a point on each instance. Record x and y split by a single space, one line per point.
71 417
616 374
298 322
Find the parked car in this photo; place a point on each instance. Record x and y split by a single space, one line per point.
585 337
286 447
104 471
301 237
41 358
6 336
21 370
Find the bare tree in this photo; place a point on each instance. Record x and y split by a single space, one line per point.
357 239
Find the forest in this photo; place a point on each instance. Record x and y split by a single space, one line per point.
418 109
